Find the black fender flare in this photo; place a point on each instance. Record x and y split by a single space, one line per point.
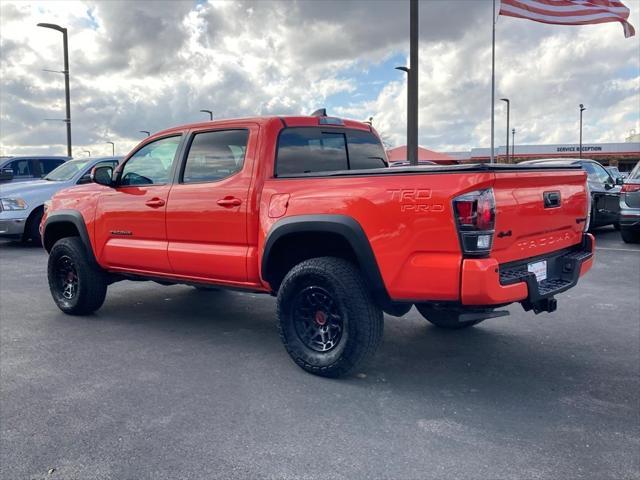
73 217
344 226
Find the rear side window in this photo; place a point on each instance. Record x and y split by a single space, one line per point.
313 150
596 172
48 164
215 155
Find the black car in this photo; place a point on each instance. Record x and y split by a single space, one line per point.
605 190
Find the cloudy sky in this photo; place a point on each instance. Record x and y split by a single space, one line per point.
148 65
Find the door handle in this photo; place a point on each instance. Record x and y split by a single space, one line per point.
229 202
154 202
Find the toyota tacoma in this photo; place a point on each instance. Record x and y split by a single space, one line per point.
305 208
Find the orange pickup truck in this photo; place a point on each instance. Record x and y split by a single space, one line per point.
306 208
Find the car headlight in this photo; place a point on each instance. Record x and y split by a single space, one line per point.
13 204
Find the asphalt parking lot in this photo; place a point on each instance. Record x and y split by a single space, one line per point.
172 383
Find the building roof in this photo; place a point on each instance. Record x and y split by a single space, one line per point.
399 154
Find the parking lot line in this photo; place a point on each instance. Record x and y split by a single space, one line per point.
619 249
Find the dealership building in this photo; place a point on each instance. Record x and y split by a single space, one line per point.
623 155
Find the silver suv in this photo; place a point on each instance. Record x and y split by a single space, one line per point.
22 203
630 207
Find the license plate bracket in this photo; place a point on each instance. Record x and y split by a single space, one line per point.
539 269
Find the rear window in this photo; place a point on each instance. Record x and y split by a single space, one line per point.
313 150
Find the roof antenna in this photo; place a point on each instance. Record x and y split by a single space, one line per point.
321 112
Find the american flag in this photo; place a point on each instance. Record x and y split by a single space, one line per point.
569 12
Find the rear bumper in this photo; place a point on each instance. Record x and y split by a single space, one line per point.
630 219
486 283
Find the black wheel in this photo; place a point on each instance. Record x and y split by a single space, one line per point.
629 236
32 228
77 285
444 318
328 321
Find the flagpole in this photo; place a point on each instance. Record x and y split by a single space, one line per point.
493 79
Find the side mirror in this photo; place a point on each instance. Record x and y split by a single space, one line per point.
102 175
86 178
619 180
6 174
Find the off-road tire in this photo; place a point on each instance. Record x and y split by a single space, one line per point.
629 236
443 318
90 280
349 302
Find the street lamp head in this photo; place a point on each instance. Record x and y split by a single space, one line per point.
53 26
582 107
505 100
513 130
404 69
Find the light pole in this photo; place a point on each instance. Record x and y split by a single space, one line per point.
145 131
412 85
65 46
582 109
209 112
88 152
113 149
513 144
506 100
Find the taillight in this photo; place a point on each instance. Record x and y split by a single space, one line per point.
475 214
630 187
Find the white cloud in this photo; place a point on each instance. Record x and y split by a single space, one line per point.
150 65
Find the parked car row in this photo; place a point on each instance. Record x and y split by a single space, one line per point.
23 169
22 203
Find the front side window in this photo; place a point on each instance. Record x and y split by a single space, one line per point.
311 149
67 170
151 165
21 168
215 155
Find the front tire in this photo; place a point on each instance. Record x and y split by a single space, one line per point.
78 286
32 227
629 236
328 321
444 318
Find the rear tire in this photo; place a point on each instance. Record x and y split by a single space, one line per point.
328 321
78 286
443 318
629 236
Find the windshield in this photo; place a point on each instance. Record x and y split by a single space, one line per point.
67 170
635 173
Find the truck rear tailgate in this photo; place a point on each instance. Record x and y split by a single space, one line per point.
538 212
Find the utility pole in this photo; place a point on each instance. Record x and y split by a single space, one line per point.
65 45
508 108
113 149
582 109
412 85
513 144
